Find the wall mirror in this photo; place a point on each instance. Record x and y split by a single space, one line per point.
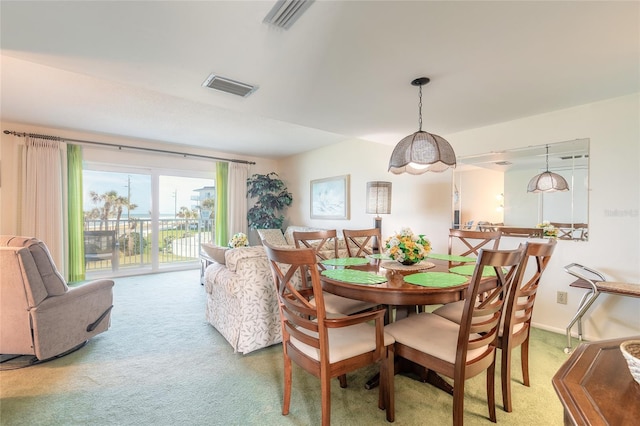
490 189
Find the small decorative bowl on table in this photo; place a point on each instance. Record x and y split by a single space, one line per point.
631 352
393 265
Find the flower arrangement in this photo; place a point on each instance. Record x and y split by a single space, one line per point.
548 229
238 240
406 247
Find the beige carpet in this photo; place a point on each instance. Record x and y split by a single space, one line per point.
162 364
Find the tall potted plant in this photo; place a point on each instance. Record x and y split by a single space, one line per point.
273 199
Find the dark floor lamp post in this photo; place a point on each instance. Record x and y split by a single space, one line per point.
378 202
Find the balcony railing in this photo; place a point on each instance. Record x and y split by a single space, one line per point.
129 242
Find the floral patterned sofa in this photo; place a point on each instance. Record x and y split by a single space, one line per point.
241 300
241 297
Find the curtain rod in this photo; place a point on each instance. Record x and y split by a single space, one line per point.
119 146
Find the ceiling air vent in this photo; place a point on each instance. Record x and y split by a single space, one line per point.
286 12
503 163
569 157
230 86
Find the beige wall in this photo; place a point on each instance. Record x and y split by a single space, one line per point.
420 202
424 202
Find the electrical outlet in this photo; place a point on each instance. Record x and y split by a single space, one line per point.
561 297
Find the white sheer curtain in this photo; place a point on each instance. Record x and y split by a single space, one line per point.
43 189
237 205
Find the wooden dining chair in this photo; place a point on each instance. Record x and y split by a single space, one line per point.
484 226
323 243
571 231
464 350
584 231
516 323
317 341
463 242
325 246
517 318
565 230
472 241
515 231
362 242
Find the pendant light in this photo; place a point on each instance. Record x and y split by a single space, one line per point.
422 151
547 181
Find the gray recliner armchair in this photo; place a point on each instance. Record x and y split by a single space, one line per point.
39 314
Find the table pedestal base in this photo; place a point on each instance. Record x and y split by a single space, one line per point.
415 371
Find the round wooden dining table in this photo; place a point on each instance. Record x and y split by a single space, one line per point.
395 291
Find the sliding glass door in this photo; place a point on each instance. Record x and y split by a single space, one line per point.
185 219
144 220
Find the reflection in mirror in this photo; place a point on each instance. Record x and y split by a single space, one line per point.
490 189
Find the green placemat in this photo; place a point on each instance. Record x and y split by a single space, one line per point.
354 276
345 261
379 256
435 279
450 257
468 270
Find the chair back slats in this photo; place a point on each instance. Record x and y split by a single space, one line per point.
472 242
324 243
287 284
297 312
294 310
521 301
516 323
515 231
297 333
362 242
475 334
321 242
571 231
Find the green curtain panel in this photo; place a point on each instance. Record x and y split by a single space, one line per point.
76 219
222 189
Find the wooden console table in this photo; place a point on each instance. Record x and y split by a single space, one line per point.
596 387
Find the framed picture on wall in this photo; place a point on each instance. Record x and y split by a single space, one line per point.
330 198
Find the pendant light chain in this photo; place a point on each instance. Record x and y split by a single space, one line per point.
547 157
420 108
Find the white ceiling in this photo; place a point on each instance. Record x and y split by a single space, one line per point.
343 70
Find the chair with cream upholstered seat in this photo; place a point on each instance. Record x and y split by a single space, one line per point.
323 242
517 318
516 322
323 344
464 350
